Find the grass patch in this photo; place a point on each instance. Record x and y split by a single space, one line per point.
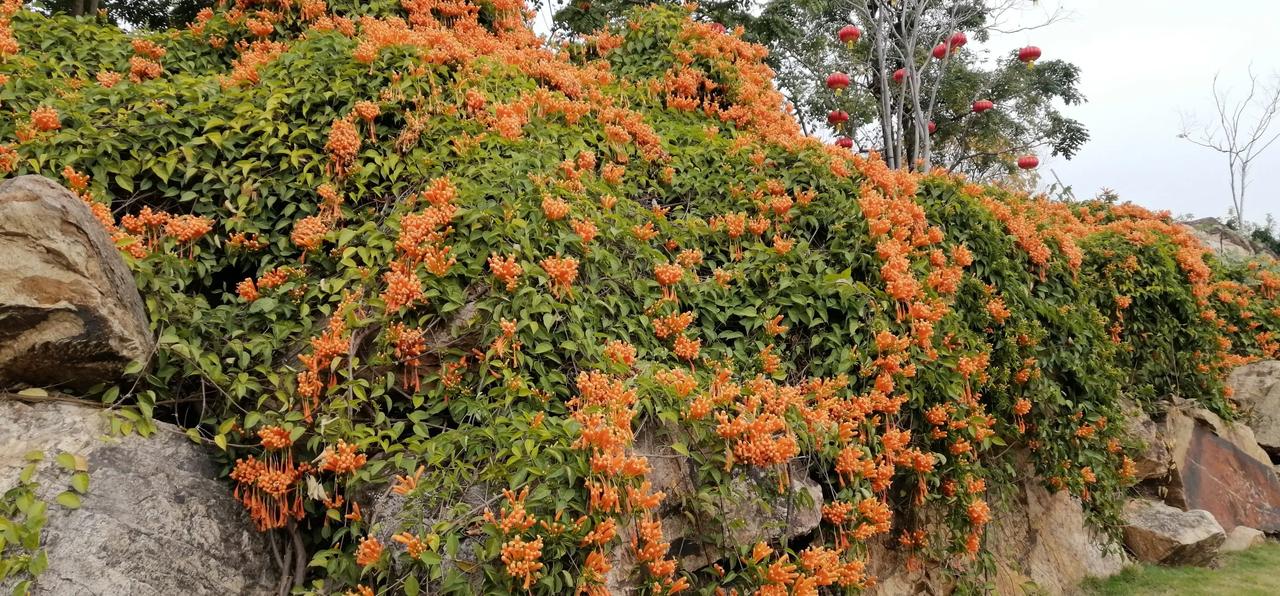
1255 572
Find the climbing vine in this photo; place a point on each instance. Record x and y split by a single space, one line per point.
404 252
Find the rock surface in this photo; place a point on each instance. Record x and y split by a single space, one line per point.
1154 461
1228 243
1242 538
154 521
1220 468
1257 391
1040 541
748 509
1158 533
71 312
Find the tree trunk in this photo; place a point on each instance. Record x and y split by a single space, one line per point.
93 7
77 8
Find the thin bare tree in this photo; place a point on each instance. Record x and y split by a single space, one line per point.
1241 133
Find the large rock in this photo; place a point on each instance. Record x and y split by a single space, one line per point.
71 313
1219 467
749 508
1227 243
1243 538
1158 533
1154 460
154 521
1256 389
1040 542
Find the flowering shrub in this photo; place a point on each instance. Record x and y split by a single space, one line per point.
402 246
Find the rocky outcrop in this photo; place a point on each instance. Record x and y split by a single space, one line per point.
71 312
1154 460
1219 467
1158 533
1228 243
750 507
1242 538
1040 541
1256 389
153 521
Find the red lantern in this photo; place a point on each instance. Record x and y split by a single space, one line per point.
837 81
844 142
899 75
1028 162
982 105
849 35
933 127
837 117
1029 55
940 51
958 39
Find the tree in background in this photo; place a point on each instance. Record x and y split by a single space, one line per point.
924 82
1241 133
804 49
145 14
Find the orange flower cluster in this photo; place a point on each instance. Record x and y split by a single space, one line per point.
562 271
409 346
343 145
505 269
45 119
369 551
268 488
342 458
325 350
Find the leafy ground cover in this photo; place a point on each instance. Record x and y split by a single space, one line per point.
406 246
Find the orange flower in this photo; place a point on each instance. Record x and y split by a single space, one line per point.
505 269
341 459
369 551
45 118
562 271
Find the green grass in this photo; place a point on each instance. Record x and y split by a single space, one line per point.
1255 572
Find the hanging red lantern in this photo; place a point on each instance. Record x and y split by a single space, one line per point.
958 39
849 35
1028 162
837 117
900 75
933 127
940 51
844 142
837 81
982 105
1029 55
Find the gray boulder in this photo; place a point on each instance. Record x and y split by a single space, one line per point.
154 520
1158 533
1256 389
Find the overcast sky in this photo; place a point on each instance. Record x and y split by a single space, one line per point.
1144 63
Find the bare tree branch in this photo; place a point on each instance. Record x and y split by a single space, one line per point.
1238 137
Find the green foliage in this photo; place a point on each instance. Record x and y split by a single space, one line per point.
479 414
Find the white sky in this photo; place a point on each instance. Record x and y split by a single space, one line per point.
1145 63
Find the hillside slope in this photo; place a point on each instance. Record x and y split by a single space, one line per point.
402 244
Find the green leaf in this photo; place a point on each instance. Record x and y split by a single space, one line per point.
67 461
68 500
80 482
